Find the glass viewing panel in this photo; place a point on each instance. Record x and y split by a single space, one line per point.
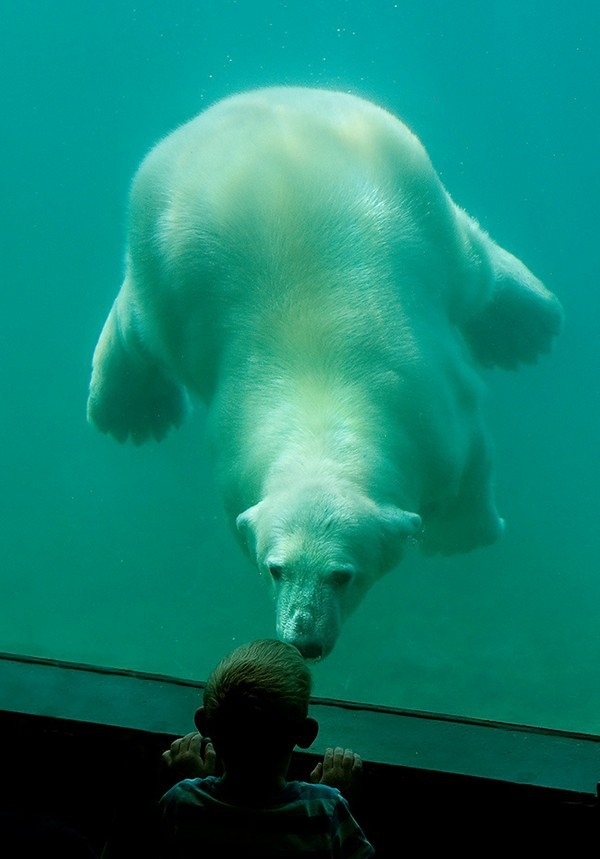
120 556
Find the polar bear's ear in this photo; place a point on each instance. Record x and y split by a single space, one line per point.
246 526
400 523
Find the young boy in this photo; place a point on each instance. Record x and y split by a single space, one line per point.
255 712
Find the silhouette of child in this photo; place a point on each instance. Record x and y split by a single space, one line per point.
234 796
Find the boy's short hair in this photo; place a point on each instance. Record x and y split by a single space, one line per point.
260 690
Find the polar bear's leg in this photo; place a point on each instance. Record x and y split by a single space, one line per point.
521 318
470 520
131 395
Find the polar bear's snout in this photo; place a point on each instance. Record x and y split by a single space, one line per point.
302 634
310 621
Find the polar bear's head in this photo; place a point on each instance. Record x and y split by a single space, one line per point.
321 550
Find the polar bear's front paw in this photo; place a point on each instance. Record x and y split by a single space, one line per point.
140 412
516 327
521 319
131 396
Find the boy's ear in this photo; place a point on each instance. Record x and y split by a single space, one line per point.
200 720
307 733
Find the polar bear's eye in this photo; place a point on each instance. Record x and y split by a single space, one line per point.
340 578
276 572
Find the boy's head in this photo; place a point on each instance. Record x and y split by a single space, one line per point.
259 693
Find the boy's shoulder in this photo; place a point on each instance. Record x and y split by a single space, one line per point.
306 792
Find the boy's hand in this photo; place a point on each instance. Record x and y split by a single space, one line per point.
340 768
191 756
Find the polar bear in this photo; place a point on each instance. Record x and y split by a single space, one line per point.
294 261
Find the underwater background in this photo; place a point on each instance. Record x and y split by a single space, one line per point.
120 556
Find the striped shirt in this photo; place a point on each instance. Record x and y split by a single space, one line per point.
308 820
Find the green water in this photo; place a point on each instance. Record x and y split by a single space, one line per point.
120 556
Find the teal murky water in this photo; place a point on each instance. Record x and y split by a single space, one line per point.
120 556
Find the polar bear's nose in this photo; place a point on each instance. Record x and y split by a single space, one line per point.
309 648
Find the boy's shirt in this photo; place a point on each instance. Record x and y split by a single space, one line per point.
308 820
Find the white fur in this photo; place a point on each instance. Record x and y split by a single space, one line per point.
294 261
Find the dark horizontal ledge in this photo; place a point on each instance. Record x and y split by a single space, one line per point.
418 741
